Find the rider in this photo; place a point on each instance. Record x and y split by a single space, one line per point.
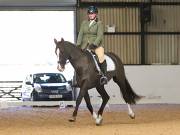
91 37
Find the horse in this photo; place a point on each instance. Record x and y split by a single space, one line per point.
88 77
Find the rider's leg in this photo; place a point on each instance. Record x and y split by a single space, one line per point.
103 65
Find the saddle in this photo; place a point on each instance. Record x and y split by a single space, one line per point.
110 62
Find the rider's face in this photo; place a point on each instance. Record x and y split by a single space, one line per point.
92 16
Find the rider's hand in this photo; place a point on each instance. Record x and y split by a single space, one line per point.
92 46
78 46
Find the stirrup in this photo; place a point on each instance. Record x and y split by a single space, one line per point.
103 80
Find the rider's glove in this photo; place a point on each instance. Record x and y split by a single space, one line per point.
92 46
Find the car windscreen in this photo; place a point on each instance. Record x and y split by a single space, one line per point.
49 78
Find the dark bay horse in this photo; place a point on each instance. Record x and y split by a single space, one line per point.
88 77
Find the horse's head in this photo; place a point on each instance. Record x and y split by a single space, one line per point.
61 54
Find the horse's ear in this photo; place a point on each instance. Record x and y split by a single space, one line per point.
55 41
62 39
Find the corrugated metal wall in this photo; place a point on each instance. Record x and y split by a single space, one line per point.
164 18
163 49
125 20
114 0
126 47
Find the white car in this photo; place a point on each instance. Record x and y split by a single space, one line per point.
46 86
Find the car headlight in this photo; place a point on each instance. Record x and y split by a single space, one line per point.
68 87
37 87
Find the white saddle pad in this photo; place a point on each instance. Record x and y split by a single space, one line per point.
110 63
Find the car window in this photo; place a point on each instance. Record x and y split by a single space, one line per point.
61 78
49 78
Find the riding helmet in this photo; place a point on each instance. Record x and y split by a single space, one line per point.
92 9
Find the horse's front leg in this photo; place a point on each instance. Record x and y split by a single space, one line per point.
105 98
83 90
89 106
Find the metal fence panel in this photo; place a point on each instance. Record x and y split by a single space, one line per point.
10 90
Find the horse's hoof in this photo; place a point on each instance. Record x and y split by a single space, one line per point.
132 116
99 120
73 119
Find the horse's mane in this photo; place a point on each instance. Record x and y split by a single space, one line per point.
79 52
73 46
68 42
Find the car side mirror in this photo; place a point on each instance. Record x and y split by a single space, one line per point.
28 83
70 82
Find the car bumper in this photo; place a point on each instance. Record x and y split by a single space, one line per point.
53 97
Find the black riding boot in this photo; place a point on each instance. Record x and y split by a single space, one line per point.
103 67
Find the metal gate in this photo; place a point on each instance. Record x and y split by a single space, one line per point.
10 90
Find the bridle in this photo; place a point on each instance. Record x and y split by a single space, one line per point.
63 62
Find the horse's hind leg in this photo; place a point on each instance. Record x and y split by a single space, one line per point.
105 98
121 82
130 112
89 106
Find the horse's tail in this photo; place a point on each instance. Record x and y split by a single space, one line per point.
127 92
132 96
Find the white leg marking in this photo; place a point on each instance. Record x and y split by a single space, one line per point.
130 111
95 115
99 120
